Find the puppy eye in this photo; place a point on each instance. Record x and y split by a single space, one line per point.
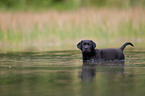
85 43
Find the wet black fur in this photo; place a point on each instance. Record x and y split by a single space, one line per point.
90 53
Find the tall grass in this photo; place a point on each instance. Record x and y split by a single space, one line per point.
51 30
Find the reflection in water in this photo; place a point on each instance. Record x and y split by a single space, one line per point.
55 73
89 69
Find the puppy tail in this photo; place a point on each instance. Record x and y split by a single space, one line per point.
127 43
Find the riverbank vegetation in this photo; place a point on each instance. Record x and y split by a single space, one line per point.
26 30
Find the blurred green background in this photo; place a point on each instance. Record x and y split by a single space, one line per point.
43 25
66 4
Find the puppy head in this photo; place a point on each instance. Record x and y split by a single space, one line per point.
86 46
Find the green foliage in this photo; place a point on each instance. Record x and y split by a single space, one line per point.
66 4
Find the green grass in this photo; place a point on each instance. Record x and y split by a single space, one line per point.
49 38
66 33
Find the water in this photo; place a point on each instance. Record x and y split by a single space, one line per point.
61 73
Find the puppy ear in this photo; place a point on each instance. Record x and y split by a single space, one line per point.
79 45
93 44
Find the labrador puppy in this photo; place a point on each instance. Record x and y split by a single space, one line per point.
90 53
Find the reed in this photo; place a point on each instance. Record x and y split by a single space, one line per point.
62 30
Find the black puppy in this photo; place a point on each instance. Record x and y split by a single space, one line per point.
90 53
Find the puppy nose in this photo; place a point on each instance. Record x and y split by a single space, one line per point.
86 47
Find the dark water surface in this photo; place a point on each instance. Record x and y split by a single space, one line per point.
61 73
